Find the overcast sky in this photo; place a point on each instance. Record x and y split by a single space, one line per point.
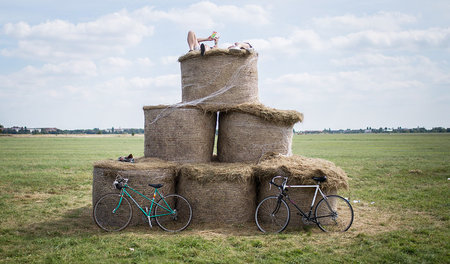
343 64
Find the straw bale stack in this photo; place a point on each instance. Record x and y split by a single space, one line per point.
248 131
300 171
182 134
219 192
222 76
140 174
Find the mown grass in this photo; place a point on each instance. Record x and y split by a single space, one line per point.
401 182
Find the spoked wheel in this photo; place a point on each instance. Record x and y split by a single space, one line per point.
334 214
272 215
173 213
112 212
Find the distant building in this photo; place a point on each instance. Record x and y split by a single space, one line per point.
49 130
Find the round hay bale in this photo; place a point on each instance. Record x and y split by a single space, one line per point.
244 137
220 77
182 134
300 171
218 192
139 175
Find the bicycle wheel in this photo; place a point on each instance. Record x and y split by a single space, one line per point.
272 215
111 213
334 214
175 218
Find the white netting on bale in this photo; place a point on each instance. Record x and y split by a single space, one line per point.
182 134
222 76
140 174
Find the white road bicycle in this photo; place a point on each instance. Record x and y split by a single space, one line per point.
332 213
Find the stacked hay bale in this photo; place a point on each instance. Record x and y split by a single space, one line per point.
225 192
300 171
218 192
140 174
248 131
220 77
183 134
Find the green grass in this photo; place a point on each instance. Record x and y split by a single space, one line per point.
401 182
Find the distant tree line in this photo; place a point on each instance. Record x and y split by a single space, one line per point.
377 130
132 131
43 131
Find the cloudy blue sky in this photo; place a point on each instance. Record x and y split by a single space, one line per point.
344 64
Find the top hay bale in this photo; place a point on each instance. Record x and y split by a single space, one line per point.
222 76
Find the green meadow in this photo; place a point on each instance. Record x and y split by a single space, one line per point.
399 188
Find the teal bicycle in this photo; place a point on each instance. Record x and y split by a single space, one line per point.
113 211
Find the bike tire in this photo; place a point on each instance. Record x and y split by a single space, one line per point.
334 214
106 218
268 221
177 221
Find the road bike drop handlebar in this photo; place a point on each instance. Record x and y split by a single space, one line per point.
283 184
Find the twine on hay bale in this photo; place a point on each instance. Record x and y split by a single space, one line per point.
219 192
221 76
300 171
182 134
140 174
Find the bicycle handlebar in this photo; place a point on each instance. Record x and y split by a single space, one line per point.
283 184
120 182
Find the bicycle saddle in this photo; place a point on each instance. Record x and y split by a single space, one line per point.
156 186
320 179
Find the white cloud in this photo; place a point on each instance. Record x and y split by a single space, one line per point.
298 40
117 62
411 39
58 39
205 15
384 21
168 60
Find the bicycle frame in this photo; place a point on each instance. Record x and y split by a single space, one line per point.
124 191
308 216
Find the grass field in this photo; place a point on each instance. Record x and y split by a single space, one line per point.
400 181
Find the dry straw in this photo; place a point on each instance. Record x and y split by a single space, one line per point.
219 192
219 77
301 169
277 116
182 134
140 174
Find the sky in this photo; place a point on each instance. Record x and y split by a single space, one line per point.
343 64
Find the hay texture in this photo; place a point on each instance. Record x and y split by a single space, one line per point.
182 134
248 131
140 174
300 171
220 77
218 192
